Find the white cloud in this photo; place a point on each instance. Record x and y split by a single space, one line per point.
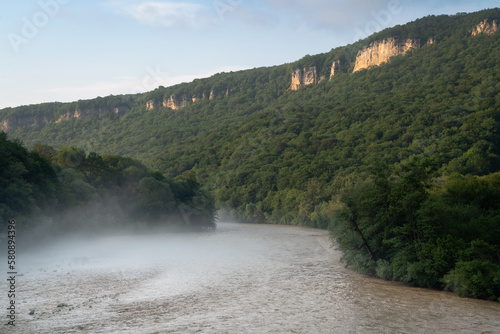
163 13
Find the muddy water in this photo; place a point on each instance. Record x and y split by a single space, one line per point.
238 279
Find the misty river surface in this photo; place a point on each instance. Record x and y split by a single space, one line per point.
240 278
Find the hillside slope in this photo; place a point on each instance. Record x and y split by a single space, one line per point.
273 153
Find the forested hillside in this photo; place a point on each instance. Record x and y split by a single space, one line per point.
390 157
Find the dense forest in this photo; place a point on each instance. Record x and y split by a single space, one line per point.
53 192
399 161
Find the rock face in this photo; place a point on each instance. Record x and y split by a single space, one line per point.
20 121
307 76
175 103
486 27
15 122
296 79
335 68
184 101
381 52
197 97
170 103
150 105
212 95
5 125
310 76
64 117
86 113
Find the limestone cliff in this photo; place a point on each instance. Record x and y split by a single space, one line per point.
381 52
197 97
486 27
335 68
175 103
65 117
307 76
296 79
170 103
14 122
5 125
18 121
150 105
310 76
213 93
94 113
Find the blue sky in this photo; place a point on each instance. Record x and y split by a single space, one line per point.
66 50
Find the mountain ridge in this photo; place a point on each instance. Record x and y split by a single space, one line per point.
372 51
226 102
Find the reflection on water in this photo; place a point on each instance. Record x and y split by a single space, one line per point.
240 278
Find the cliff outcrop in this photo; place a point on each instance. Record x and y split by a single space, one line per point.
150 105
198 97
381 52
213 93
175 103
304 77
486 27
87 113
26 121
66 117
5 125
17 121
335 68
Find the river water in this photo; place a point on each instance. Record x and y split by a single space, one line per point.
239 279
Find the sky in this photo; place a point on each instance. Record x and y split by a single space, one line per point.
66 50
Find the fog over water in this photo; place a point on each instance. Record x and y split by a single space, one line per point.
238 279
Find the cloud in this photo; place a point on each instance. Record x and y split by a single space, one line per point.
313 14
163 13
325 13
336 14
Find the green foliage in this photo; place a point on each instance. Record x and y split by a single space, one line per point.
79 190
444 236
477 274
436 258
475 279
27 181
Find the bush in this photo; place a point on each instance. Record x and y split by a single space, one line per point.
476 279
384 270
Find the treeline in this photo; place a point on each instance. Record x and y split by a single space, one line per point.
403 224
56 191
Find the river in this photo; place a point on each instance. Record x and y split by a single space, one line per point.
240 278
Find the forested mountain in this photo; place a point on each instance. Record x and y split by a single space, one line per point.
373 139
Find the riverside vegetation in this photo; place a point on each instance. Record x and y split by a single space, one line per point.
400 161
59 191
